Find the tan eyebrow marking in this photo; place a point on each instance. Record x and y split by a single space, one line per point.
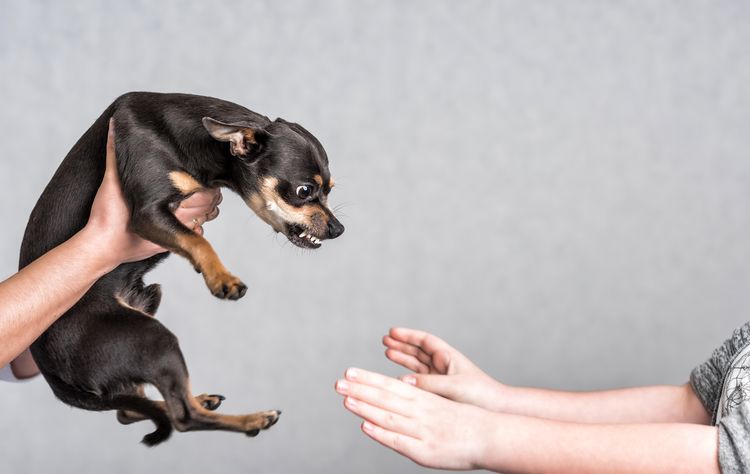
331 183
318 179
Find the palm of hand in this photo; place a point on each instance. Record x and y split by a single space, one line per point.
440 368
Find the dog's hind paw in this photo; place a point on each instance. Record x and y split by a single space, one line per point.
210 402
261 421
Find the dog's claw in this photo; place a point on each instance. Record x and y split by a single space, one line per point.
228 287
211 402
241 289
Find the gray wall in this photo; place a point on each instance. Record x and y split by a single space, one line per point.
560 189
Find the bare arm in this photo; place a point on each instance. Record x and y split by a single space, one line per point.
32 299
441 369
436 432
654 404
524 444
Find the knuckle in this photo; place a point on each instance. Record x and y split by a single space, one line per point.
390 420
397 442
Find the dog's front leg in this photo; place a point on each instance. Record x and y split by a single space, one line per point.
157 224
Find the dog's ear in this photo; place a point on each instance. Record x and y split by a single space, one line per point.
243 137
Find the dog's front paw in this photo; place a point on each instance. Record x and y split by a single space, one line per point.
226 286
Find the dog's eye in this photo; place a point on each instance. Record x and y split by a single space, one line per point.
304 191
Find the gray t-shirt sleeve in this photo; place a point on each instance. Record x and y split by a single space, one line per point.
734 441
708 382
707 379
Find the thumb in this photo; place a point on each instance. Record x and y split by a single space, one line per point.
442 362
111 162
437 384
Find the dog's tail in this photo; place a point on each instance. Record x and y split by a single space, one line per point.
150 410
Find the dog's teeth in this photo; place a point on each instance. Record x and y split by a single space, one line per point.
315 240
303 234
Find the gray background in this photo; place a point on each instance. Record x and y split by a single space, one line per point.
559 189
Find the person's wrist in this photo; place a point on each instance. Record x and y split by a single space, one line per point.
486 433
497 395
98 249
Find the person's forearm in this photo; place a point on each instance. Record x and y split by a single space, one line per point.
656 404
32 299
523 444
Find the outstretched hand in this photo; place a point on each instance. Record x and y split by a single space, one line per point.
430 430
109 218
441 369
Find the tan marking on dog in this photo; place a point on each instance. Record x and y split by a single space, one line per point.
318 179
127 417
124 303
205 419
331 183
203 256
277 213
238 141
185 183
249 135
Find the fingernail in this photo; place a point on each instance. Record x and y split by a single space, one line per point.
367 426
352 373
410 380
342 386
351 403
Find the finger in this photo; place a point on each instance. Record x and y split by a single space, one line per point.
407 349
438 384
441 360
213 214
380 381
190 217
375 396
201 199
383 418
400 443
408 361
425 341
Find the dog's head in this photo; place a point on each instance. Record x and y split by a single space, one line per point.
283 177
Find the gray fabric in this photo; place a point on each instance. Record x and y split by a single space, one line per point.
707 379
708 382
734 441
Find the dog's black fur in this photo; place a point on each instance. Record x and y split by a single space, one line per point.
99 354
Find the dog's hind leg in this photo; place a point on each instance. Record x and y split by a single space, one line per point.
144 408
187 413
133 403
209 402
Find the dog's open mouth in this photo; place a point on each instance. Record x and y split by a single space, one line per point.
301 238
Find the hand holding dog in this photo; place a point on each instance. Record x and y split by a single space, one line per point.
109 218
37 295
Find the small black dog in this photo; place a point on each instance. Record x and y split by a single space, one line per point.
100 353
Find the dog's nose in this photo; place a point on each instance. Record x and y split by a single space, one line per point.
335 228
